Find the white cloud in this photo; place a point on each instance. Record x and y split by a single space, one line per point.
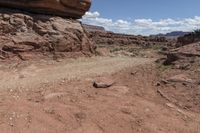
92 14
142 26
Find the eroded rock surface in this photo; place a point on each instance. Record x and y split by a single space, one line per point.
29 35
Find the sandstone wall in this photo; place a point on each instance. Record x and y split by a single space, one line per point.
29 36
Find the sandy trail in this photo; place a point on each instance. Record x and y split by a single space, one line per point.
36 74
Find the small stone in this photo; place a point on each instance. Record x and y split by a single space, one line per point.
164 81
126 111
101 85
180 78
21 76
158 84
170 105
11 124
80 115
133 73
185 84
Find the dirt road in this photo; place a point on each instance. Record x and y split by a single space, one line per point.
56 104
35 74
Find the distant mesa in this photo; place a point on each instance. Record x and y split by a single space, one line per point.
172 35
93 28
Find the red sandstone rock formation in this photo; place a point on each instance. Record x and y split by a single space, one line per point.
29 36
66 8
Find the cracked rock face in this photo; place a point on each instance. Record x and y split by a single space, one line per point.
67 8
27 35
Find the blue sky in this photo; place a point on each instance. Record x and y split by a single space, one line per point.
145 16
154 9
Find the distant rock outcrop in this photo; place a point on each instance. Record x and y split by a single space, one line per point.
189 38
104 38
93 28
29 36
172 35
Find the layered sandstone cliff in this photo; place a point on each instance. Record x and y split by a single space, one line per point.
104 38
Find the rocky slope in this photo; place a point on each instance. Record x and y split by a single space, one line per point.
25 36
181 77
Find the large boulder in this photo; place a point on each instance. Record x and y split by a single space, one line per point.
66 8
28 35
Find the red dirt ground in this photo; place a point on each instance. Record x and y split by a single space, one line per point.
132 105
